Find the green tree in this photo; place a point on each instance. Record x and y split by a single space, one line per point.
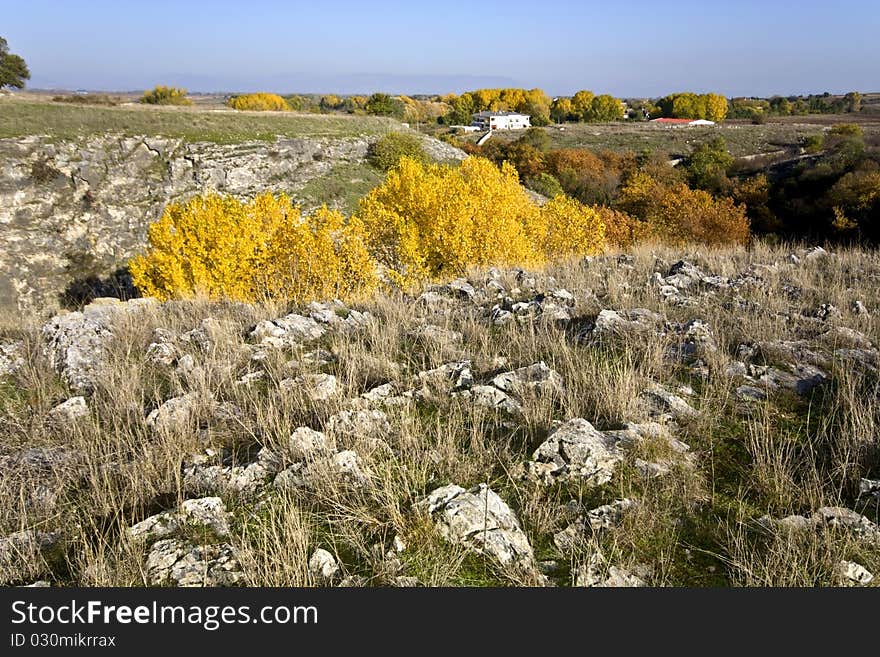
386 152
13 70
708 165
380 104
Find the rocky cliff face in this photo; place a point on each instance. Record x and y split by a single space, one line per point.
72 210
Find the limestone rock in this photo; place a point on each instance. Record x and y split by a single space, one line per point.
576 450
77 342
68 412
537 377
494 399
306 444
480 520
11 357
323 566
175 562
24 554
851 573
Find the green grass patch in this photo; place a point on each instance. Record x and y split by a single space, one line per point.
20 118
341 188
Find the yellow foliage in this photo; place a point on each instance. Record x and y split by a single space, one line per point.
570 228
222 248
260 102
162 95
677 214
431 221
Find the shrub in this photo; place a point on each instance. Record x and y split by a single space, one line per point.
430 221
708 165
161 95
621 229
219 247
847 130
386 151
678 214
569 228
814 143
260 102
546 185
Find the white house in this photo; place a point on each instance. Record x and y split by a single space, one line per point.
501 121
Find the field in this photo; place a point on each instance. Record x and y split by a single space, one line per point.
731 438
20 117
742 137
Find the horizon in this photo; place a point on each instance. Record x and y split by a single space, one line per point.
400 49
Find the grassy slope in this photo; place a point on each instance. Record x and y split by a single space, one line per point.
694 526
20 117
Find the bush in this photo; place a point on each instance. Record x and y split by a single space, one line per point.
431 221
847 130
546 185
621 229
814 143
161 95
261 102
87 99
222 248
569 228
677 214
386 152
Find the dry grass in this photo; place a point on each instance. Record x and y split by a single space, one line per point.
695 526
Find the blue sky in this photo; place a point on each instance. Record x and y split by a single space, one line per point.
627 48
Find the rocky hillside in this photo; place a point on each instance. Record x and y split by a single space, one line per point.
656 418
75 209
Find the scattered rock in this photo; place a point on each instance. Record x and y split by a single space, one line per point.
77 342
175 562
750 394
593 573
537 377
25 554
316 387
306 444
664 402
359 424
287 331
492 398
323 566
209 474
68 412
575 450
858 308
585 526
851 573
843 518
480 520
11 357
436 335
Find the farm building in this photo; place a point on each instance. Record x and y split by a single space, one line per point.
501 121
682 122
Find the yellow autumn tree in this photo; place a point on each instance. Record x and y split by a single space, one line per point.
221 248
431 221
260 102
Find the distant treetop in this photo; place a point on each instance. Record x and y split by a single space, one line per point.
13 70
